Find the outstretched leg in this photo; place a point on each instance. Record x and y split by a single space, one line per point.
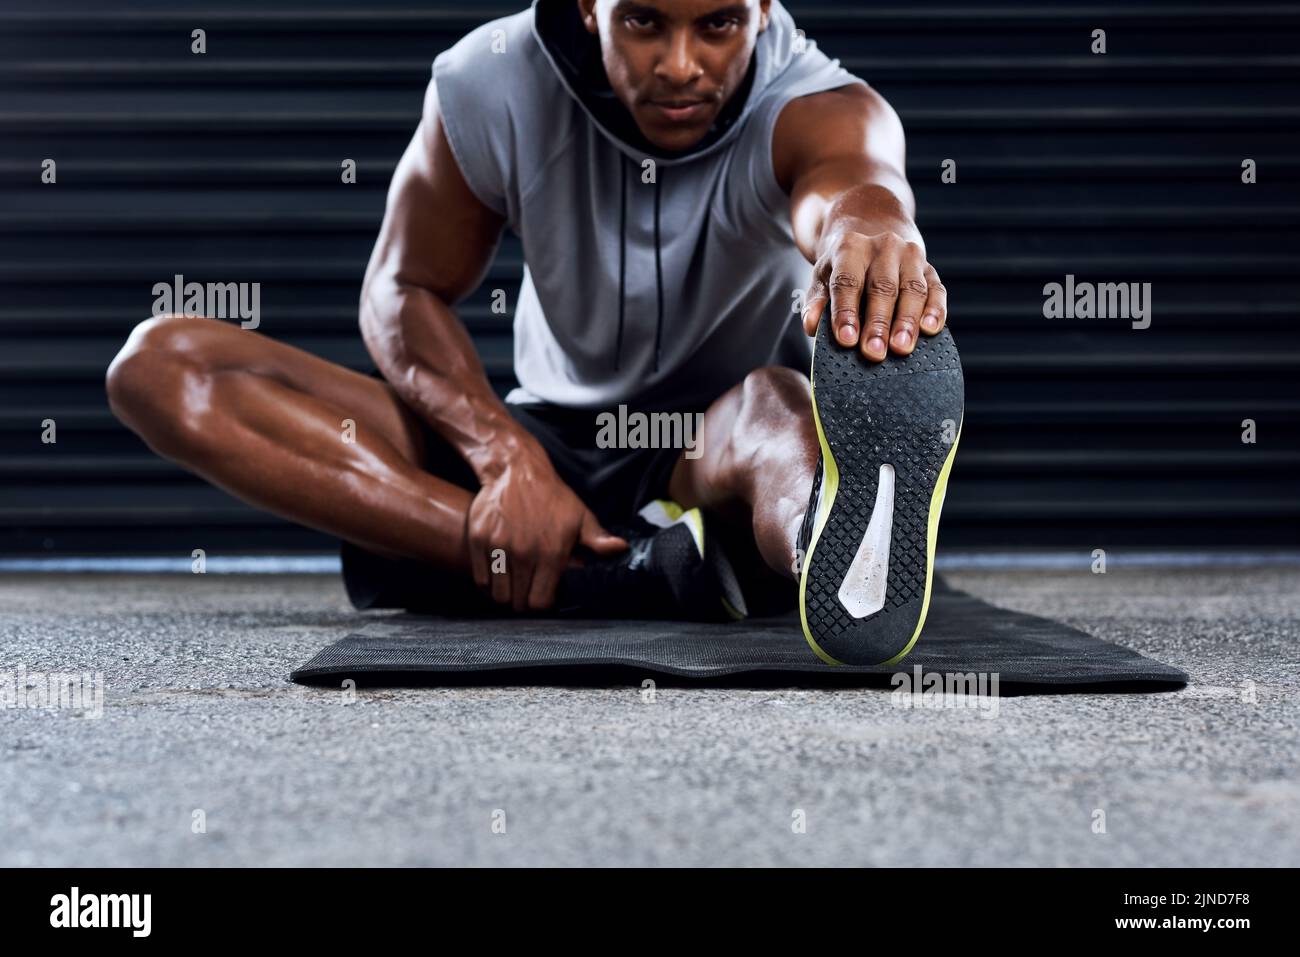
269 423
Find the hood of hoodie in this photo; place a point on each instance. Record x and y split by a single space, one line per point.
574 54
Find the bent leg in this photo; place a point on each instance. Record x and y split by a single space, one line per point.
268 423
758 453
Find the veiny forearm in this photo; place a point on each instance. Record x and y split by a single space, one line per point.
842 157
426 354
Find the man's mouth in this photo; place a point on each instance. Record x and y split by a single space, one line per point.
680 110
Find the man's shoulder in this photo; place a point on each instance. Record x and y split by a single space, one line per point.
807 114
825 124
497 99
499 58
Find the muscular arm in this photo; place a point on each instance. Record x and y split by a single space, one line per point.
436 242
840 157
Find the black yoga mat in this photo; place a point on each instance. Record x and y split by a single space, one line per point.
963 634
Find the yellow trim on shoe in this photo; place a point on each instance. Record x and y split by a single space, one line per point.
931 540
693 519
830 485
731 610
671 508
661 513
832 482
695 522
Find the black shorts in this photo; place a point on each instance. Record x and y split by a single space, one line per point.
615 483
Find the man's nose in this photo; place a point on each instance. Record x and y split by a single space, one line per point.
678 65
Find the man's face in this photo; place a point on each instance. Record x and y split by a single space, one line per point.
675 63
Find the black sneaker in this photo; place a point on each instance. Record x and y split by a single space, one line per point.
888 433
675 567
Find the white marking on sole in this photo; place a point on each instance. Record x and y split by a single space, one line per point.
862 592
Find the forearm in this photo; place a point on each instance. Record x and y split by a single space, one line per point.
425 353
841 155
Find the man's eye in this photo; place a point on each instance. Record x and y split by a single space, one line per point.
639 22
721 24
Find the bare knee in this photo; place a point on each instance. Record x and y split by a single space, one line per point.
774 402
761 425
129 374
158 343
142 380
780 378
770 419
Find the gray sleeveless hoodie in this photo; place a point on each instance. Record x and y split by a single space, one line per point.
660 293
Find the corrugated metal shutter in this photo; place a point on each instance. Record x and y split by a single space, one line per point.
1124 167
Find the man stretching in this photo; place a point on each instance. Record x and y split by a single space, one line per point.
684 176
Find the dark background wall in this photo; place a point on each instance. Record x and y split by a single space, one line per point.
1079 433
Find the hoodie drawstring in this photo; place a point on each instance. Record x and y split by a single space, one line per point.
659 278
622 267
622 252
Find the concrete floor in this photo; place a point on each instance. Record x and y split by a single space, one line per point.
198 716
